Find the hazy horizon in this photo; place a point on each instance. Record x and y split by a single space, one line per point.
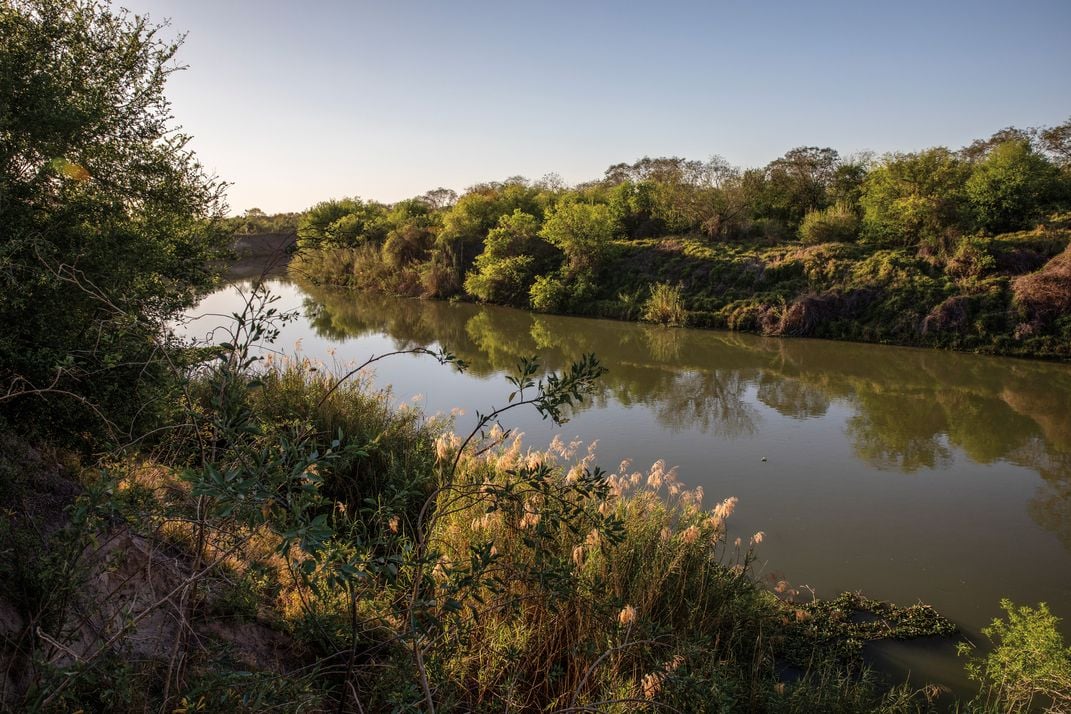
297 104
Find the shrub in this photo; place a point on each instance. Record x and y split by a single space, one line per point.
665 306
970 260
836 224
549 293
1029 662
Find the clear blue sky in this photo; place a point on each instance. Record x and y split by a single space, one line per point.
295 102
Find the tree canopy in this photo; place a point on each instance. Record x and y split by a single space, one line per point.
109 221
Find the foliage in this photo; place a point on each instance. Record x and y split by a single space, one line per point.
665 305
913 199
580 230
1029 665
255 221
512 254
899 249
1011 187
834 224
342 224
110 223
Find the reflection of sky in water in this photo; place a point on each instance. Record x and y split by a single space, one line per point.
911 474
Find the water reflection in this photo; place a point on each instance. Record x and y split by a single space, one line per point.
908 410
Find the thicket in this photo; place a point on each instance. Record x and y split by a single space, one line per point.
921 248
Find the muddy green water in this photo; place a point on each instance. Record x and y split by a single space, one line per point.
911 475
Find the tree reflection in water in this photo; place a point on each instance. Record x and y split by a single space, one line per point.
910 410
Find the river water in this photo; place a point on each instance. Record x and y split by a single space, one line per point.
911 475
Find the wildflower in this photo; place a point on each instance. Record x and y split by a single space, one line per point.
690 534
393 524
578 555
757 538
666 534
652 684
493 551
624 467
627 616
592 538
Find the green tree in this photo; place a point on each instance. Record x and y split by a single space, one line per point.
109 222
1012 187
343 223
916 198
512 254
798 182
580 230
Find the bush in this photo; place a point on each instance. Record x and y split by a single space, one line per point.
1030 662
665 306
549 293
836 224
970 260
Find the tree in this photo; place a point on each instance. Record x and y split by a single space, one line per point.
1011 187
798 181
580 230
1056 141
343 223
915 198
512 254
109 222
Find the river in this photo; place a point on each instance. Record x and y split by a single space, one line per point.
911 475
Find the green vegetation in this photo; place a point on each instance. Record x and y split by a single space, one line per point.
954 249
1029 667
109 223
202 528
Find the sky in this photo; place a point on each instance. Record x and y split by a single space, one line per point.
297 102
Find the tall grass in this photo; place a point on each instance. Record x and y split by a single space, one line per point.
665 305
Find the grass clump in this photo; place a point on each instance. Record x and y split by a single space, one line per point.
665 305
836 224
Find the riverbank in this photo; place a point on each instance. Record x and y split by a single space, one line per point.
1009 294
321 579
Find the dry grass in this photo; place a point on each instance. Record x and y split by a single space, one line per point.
1046 293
